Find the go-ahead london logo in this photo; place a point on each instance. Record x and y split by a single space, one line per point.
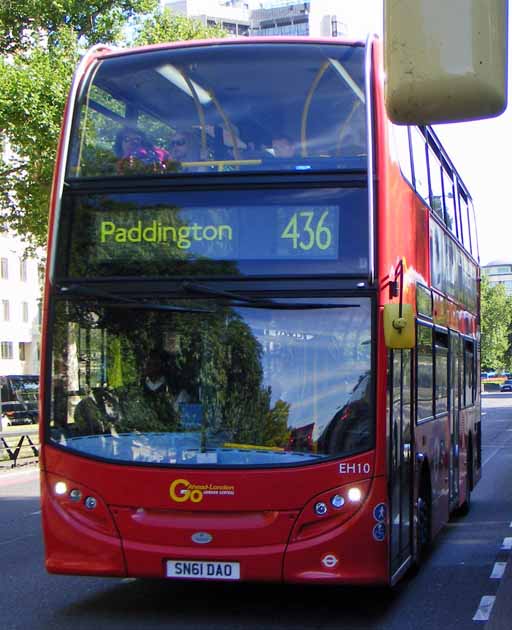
182 490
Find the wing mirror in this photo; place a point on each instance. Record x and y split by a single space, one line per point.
399 326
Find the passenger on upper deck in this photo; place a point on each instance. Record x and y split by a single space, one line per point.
136 153
185 146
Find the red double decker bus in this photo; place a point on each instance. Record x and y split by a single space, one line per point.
261 320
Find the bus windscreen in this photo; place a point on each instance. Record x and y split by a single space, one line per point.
196 382
201 110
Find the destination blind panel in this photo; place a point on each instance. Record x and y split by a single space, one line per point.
229 233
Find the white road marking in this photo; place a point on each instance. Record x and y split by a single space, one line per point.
507 543
484 609
498 570
488 459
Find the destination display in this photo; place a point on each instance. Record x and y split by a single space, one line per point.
234 233
220 232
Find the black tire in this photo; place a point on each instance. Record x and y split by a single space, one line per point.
424 522
466 506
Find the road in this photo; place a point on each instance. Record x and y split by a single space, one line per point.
446 593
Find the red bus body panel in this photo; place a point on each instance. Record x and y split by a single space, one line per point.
253 523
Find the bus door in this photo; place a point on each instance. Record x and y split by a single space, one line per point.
456 366
400 450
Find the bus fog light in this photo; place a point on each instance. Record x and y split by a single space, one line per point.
320 508
75 494
337 501
90 503
60 488
355 495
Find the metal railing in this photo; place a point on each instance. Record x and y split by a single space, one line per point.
18 445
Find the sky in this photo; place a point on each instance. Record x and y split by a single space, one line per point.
478 149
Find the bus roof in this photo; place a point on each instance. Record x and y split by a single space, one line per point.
103 51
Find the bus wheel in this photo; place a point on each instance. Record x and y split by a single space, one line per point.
424 523
466 506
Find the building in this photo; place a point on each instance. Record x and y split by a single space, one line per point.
499 272
316 18
231 15
20 300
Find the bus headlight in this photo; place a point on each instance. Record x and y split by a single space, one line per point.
60 488
354 494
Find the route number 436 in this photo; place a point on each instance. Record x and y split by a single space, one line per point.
306 230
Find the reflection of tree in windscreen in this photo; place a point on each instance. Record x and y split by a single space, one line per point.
215 358
60 369
222 357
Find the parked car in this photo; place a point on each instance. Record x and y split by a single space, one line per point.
17 413
506 386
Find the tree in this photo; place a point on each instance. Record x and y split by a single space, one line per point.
33 90
165 26
496 319
44 39
23 23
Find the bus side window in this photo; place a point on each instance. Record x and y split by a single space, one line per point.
402 146
449 203
441 371
419 159
472 230
469 369
435 184
464 219
425 374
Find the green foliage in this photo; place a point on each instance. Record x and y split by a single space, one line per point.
496 320
41 43
33 90
165 26
22 22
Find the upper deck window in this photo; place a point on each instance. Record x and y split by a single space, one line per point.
289 107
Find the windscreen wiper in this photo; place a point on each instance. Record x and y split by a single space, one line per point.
117 301
257 302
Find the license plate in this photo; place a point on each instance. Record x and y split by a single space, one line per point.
203 570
